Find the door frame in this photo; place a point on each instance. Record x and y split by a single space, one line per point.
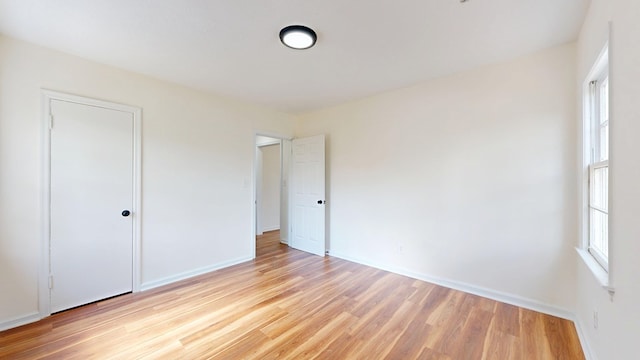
44 298
254 208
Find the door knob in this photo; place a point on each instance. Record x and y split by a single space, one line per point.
126 213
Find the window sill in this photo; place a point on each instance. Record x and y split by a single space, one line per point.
598 272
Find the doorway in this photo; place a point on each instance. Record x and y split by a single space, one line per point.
271 192
302 202
268 178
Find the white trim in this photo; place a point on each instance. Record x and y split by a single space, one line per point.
191 273
270 228
468 288
270 134
275 141
589 354
285 186
137 198
44 300
19 321
601 63
596 269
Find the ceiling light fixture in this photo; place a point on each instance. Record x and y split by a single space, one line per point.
298 37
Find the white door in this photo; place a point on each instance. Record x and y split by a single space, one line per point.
307 189
91 238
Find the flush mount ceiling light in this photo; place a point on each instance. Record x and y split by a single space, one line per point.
298 37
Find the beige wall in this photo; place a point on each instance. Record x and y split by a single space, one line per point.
196 169
618 331
467 180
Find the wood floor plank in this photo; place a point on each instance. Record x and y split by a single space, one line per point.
500 345
449 322
338 348
473 335
410 344
383 342
535 344
287 304
507 319
321 339
560 337
428 354
376 323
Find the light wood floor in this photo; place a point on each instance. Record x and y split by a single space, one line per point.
287 304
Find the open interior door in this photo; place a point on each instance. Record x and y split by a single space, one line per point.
308 195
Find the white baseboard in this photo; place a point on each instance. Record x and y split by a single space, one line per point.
471 289
19 321
589 354
270 228
191 273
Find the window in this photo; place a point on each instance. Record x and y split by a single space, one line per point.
596 124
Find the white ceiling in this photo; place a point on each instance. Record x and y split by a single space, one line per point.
231 47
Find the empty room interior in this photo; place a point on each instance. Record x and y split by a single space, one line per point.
330 179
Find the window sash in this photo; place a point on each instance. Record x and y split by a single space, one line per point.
601 258
599 117
598 243
599 187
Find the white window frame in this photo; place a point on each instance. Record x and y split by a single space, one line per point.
597 161
596 260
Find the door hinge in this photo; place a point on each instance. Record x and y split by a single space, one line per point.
50 121
50 281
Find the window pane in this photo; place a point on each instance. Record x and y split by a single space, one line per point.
600 187
604 100
599 232
604 142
